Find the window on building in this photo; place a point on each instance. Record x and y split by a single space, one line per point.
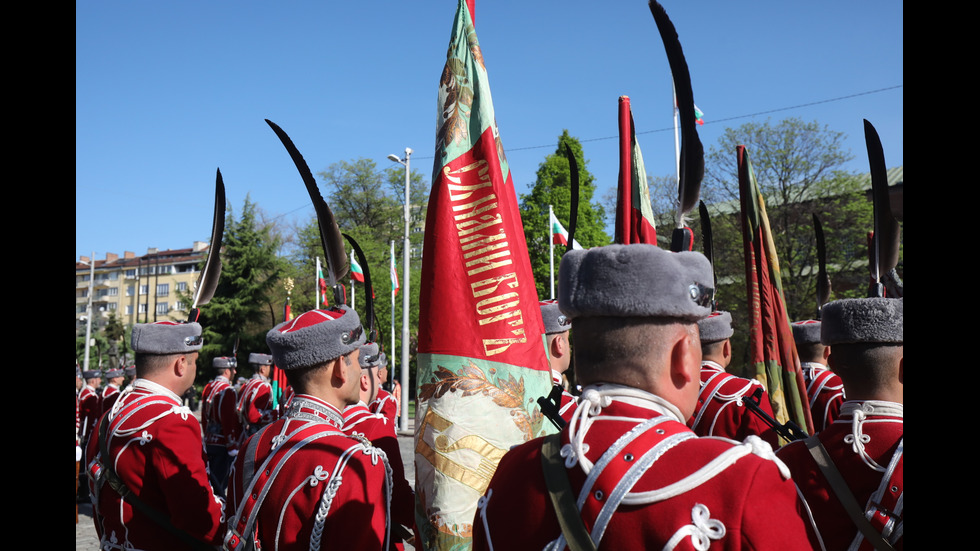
144 289
113 291
129 309
112 306
179 305
142 308
131 274
163 308
163 289
130 289
182 286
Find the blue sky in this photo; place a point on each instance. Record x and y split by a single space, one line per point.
167 92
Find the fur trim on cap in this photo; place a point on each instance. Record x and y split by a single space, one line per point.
635 280
113 373
92 374
260 359
863 320
224 362
130 371
370 355
807 331
315 337
716 327
166 337
554 320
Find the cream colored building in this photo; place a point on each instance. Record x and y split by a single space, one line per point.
139 289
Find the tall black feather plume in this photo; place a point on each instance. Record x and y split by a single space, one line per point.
823 279
709 253
207 282
330 236
368 290
692 152
885 241
574 191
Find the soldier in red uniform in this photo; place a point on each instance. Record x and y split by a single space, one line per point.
314 486
254 404
824 389
110 392
385 402
152 446
626 472
380 431
89 409
222 429
721 409
865 444
556 329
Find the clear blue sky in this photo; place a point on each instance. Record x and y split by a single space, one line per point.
167 92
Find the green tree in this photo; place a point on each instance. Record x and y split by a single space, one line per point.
799 168
243 307
553 187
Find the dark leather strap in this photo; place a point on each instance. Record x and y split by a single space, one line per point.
844 495
562 496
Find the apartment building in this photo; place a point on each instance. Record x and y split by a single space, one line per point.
138 289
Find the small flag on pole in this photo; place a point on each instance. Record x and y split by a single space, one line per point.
356 272
559 235
394 278
698 115
321 284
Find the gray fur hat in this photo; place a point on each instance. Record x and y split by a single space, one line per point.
863 320
130 371
554 320
806 331
113 373
224 362
166 337
315 337
370 355
635 280
260 359
92 374
383 360
716 327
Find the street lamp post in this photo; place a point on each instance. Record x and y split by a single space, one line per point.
88 309
407 285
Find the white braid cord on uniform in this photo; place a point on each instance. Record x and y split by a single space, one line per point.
892 530
728 399
591 403
481 508
702 530
859 412
333 485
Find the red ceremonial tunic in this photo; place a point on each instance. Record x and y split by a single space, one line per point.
721 412
110 393
89 409
386 405
866 445
218 414
643 480
254 404
154 443
824 392
317 487
380 431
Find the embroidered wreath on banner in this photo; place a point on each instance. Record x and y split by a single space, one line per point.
471 380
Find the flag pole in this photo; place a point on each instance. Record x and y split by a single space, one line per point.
316 283
551 249
391 353
353 304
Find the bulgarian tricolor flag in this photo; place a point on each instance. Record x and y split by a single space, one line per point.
394 277
772 350
559 235
356 272
481 356
321 285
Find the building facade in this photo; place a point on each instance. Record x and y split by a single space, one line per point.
137 289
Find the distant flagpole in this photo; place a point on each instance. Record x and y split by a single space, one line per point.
316 283
353 304
551 248
394 274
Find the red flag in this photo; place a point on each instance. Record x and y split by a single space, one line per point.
277 375
772 350
481 355
634 214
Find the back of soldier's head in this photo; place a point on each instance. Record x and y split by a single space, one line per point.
866 337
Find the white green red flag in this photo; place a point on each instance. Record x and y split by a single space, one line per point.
773 359
321 285
394 277
481 356
559 235
356 272
634 213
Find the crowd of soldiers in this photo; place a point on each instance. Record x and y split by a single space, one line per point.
659 450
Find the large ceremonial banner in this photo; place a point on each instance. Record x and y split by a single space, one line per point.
634 214
772 350
482 363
